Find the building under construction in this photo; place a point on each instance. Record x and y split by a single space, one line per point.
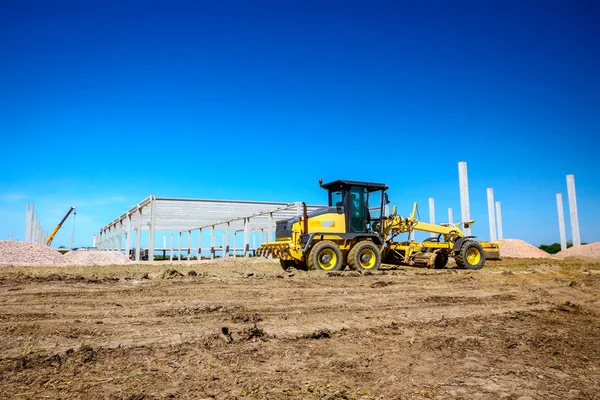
195 226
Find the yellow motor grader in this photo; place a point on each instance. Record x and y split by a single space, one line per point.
354 230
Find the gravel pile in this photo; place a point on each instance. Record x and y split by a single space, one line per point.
586 250
515 248
95 258
21 253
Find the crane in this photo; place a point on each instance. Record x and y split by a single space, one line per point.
49 240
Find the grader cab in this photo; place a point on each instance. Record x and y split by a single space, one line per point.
354 230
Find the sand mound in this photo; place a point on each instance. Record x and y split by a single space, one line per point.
515 248
95 258
21 253
586 250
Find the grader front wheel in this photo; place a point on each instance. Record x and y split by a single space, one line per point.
325 256
364 256
470 255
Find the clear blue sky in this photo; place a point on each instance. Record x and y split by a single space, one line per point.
103 103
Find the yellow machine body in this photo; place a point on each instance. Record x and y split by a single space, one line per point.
332 233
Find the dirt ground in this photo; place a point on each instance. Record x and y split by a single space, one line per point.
518 329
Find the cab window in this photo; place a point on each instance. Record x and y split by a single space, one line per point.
336 199
358 198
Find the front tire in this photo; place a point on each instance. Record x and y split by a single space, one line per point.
470 255
364 256
325 256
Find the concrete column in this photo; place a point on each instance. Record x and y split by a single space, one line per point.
138 235
199 244
171 247
431 211
10 237
128 235
499 221
34 233
189 247
491 215
246 231
223 244
27 223
212 243
179 247
450 216
227 240
120 246
270 228
573 210
561 222
234 243
30 223
94 240
465 209
152 228
164 242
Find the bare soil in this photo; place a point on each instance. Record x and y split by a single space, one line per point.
517 329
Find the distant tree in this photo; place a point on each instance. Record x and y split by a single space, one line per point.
551 248
555 247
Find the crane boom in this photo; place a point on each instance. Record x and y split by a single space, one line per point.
49 240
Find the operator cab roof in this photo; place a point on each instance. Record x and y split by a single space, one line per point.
340 184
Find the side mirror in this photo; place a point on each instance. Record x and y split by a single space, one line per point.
387 200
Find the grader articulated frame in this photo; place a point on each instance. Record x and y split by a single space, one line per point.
346 233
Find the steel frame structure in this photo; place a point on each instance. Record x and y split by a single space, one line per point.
185 217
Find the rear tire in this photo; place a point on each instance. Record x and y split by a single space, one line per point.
470 255
364 256
325 256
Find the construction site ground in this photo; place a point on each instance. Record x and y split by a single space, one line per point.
244 328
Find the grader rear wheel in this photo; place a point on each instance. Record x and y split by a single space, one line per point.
325 256
364 256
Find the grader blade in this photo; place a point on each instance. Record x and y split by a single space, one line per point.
491 249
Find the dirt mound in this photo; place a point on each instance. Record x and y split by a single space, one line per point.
21 253
515 248
95 258
586 250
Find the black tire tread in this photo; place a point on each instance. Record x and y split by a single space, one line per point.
460 256
353 260
312 262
